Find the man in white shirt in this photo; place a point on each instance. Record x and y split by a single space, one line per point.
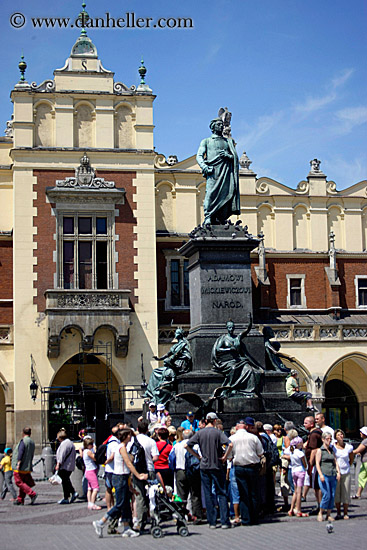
320 422
188 482
112 445
248 454
151 456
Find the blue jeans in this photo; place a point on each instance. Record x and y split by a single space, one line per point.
122 498
328 492
248 486
235 495
218 477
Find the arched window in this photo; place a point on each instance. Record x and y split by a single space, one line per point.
123 128
265 224
84 126
335 224
165 205
300 228
43 127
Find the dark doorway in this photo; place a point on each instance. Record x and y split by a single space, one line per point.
76 407
341 408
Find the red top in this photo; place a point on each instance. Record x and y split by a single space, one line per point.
162 462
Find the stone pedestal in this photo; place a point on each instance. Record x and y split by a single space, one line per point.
221 290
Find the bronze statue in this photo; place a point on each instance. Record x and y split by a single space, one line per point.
273 356
242 374
178 360
217 157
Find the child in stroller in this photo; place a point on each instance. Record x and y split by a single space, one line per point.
162 507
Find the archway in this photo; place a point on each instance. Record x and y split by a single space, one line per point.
82 395
341 407
345 390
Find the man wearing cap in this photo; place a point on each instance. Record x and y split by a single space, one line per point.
211 442
152 416
190 423
292 389
248 454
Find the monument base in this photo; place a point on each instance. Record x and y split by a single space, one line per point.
221 291
272 406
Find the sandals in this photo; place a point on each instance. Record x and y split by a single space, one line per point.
301 515
94 507
290 513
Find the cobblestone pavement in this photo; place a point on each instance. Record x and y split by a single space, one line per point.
49 526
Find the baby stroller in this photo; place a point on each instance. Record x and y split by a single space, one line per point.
163 508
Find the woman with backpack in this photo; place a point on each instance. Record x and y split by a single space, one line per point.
120 479
164 473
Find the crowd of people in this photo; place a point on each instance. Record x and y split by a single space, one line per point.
228 478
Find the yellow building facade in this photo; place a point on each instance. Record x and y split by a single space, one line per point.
92 284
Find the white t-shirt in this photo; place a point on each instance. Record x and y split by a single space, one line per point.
88 461
152 417
180 451
119 464
112 445
247 448
342 456
150 448
296 460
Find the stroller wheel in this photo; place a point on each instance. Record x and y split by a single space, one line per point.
183 531
156 532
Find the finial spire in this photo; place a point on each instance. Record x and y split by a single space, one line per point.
142 71
22 67
83 17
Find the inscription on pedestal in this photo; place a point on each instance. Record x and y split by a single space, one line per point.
227 291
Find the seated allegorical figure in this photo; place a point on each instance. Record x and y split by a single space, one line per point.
178 360
273 357
242 374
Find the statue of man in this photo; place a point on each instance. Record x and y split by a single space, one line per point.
217 157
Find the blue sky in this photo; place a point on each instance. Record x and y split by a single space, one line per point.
292 72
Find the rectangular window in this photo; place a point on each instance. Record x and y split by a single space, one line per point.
86 249
186 290
68 264
68 225
362 291
101 225
178 294
175 283
295 292
85 264
101 262
85 226
296 297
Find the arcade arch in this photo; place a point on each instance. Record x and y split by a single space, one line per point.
82 393
345 390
